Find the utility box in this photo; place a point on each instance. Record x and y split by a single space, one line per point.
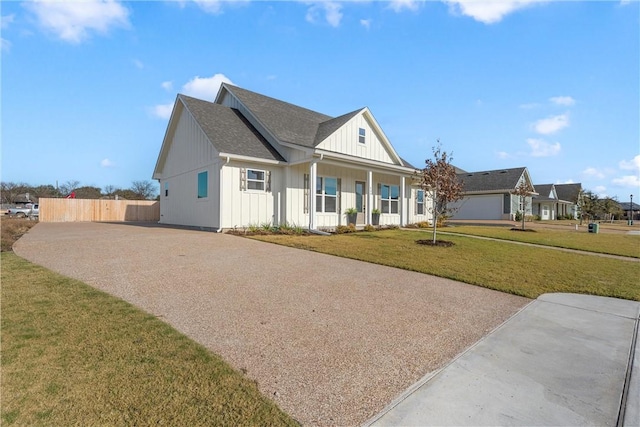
594 227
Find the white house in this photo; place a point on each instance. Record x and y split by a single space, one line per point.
248 159
557 201
489 194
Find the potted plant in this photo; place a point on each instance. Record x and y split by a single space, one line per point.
375 217
352 215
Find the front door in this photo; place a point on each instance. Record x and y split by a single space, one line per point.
360 202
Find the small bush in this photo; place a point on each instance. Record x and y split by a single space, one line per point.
369 227
518 216
341 229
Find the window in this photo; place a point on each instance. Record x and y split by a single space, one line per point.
326 194
255 179
166 189
420 202
389 195
361 135
203 185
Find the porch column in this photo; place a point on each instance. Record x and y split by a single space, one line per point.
403 205
313 174
369 195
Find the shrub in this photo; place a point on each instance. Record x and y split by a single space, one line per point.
341 229
369 227
518 216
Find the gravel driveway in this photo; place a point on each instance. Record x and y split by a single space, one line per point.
331 340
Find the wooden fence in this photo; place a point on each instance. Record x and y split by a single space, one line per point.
76 210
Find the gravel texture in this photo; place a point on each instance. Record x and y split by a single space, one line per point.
331 340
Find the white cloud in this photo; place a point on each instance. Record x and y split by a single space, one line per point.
593 172
210 6
106 163
139 65
487 11
630 181
552 124
400 5
563 100
541 148
205 87
332 12
74 21
503 155
7 20
600 190
366 23
168 86
163 111
198 87
633 164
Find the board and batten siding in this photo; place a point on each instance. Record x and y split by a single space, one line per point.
244 207
189 154
345 141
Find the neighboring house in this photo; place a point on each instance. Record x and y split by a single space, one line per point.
630 208
556 201
248 159
489 194
544 204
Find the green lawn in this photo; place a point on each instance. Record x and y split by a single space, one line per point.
615 244
517 269
72 355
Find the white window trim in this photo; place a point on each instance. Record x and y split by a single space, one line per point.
321 207
418 203
263 180
362 135
390 200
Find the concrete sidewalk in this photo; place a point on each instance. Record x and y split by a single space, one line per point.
564 360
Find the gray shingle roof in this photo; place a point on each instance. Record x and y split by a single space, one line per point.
326 128
500 180
288 122
228 130
543 190
568 192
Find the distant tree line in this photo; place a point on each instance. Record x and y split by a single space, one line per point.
593 207
10 192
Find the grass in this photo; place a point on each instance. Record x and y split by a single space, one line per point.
72 355
521 270
607 243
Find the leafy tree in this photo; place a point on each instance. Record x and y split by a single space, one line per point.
611 208
590 205
43 191
88 192
524 191
144 190
126 194
439 177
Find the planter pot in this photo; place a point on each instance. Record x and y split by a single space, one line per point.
351 218
375 219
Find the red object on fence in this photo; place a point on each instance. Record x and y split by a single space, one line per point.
71 196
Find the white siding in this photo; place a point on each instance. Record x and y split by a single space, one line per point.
190 153
345 141
246 207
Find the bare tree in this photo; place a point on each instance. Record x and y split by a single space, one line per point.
11 190
144 190
524 190
439 177
68 187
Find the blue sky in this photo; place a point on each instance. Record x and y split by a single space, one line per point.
87 86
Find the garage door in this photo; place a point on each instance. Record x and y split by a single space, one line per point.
480 207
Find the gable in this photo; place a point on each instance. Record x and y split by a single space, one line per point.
199 131
346 139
